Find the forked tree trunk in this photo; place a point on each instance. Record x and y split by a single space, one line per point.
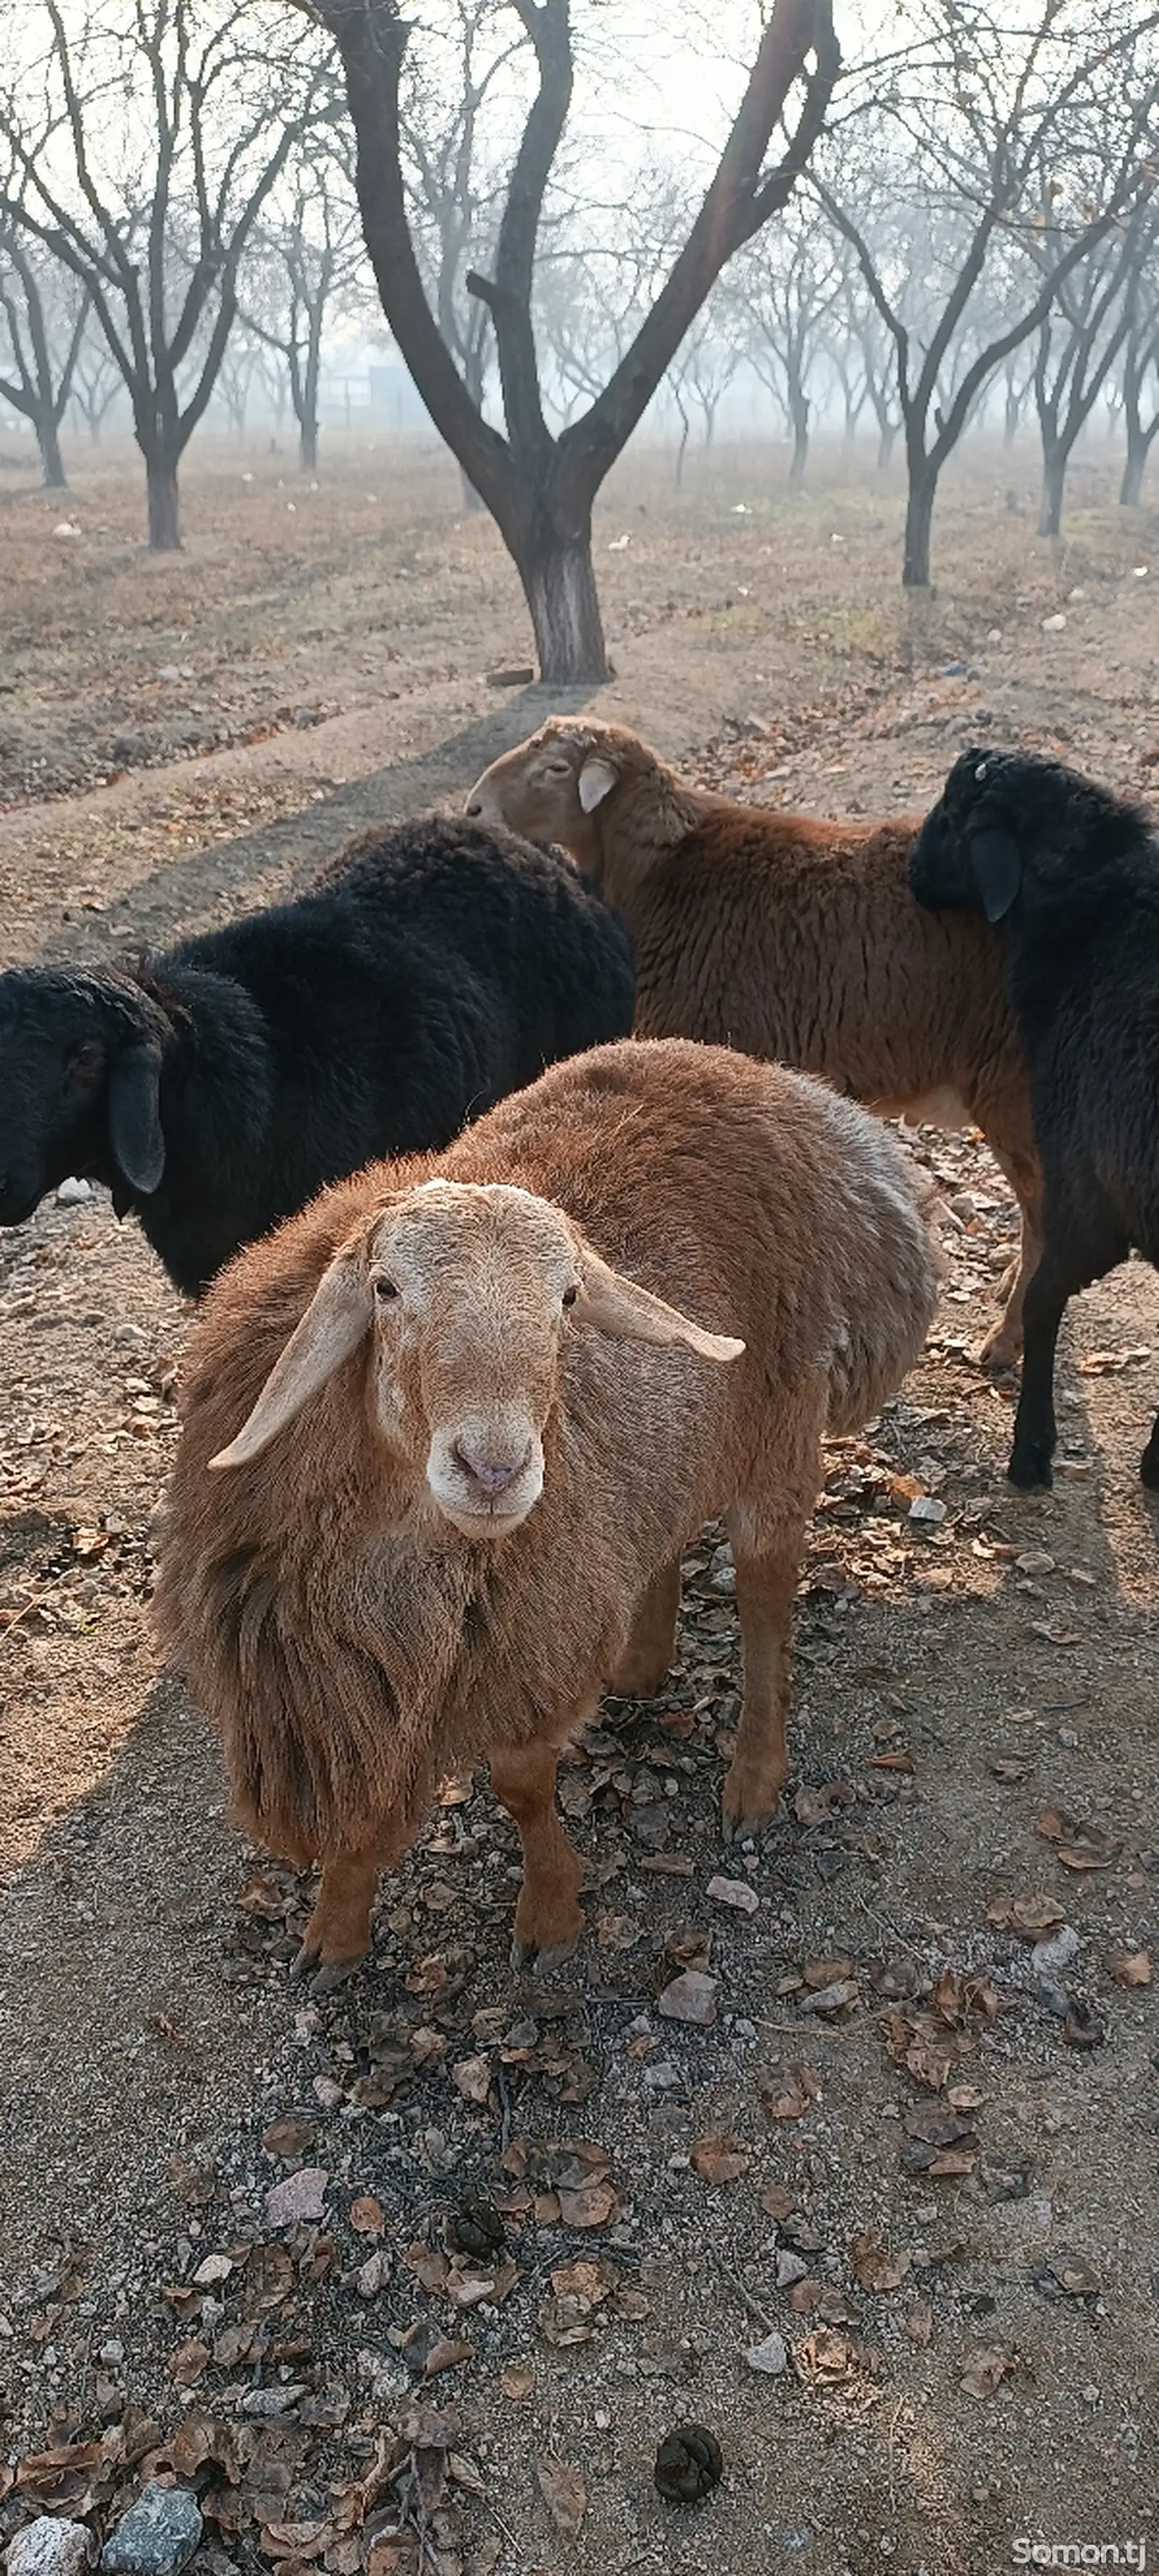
51 461
1055 459
559 585
919 518
164 505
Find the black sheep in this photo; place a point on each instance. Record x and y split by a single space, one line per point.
1072 873
217 1086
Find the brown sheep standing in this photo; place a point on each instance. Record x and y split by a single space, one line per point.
792 939
447 1432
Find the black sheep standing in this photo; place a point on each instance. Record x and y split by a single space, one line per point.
1072 873
217 1086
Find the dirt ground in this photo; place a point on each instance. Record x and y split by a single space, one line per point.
920 2157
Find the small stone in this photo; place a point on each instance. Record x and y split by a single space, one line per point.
73 1193
267 2404
48 2547
927 1511
215 2268
158 2535
735 1892
790 2268
300 2196
770 2357
1047 1957
1054 625
169 671
1034 1560
690 1998
1067 1738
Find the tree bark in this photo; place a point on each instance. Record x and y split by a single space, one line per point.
559 585
164 505
919 519
1055 459
308 444
799 413
51 461
886 440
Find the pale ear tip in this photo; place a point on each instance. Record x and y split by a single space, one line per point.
731 1349
225 1458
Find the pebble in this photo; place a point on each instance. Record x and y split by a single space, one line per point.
73 1193
690 1998
1054 625
158 2535
49 2547
736 1892
265 2403
299 2196
925 1508
790 2268
770 2357
1047 1957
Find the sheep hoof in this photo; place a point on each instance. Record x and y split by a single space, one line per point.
1001 1349
529 1960
325 1978
1030 1467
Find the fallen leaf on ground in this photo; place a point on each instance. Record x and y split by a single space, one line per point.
517 2381
564 2494
718 2160
919 2324
787 2092
1029 1916
1077 1845
366 2216
1130 1967
874 2266
591 2205
820 1806
986 2369
824 2358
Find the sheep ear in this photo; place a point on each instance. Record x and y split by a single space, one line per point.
628 1313
997 865
331 1329
135 1116
596 780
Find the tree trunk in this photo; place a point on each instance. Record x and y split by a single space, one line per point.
886 436
1135 466
1012 418
559 585
471 500
799 412
1055 459
51 461
919 516
164 504
308 445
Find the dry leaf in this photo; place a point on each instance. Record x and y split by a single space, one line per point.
788 2091
591 2281
874 2267
824 2358
1130 1967
919 2324
590 2206
718 2160
986 2369
564 2494
1029 1916
777 2202
472 2077
1077 1845
517 2381
367 2216
820 1806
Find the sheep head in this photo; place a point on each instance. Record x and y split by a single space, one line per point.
465 1292
1009 823
80 1072
551 786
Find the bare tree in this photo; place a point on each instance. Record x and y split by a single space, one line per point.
1078 342
1140 371
308 250
44 327
789 288
156 248
539 488
977 109
96 380
701 373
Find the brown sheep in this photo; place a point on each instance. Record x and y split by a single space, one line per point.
447 1432
791 938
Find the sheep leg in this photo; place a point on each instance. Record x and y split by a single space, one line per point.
337 1935
548 1920
650 1652
1035 1428
1149 1462
1003 1342
766 1582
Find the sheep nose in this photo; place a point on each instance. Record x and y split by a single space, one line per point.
492 1474
474 807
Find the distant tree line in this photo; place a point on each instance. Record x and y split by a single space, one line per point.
194 193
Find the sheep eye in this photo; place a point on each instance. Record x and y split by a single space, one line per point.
385 1289
569 1296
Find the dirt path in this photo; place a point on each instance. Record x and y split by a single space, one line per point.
999 2379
